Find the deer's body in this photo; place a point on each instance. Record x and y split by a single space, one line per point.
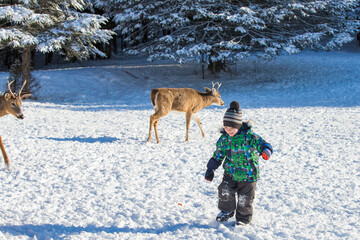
186 100
10 103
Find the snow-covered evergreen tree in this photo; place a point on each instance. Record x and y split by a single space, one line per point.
50 26
230 29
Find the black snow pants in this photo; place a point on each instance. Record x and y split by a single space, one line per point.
245 195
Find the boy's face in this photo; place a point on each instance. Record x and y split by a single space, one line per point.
231 131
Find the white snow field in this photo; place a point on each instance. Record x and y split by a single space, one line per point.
81 167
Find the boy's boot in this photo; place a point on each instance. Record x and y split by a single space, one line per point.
241 223
224 216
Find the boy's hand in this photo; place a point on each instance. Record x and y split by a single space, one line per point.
266 153
209 175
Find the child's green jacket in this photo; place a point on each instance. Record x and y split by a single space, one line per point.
239 154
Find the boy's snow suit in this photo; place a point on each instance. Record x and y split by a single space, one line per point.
240 157
239 154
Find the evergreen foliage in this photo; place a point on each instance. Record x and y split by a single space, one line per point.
229 29
15 75
59 26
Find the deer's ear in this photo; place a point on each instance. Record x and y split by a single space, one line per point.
207 89
25 95
7 96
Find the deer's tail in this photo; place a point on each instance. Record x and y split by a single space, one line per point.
153 94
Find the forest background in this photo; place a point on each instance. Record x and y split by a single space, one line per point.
214 34
80 164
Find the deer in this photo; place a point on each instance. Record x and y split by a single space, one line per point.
186 100
10 103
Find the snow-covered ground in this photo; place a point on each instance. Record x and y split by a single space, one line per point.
81 167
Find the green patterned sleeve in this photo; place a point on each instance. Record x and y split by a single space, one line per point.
257 141
219 153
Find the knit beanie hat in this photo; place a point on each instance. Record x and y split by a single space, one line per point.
233 116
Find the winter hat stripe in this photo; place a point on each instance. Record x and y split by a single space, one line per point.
233 120
234 115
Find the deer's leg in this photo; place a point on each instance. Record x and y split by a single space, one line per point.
6 159
156 132
154 120
150 129
188 118
161 110
199 124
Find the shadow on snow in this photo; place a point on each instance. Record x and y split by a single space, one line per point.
86 139
47 231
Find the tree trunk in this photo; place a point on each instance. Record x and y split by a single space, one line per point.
217 66
114 41
108 49
48 58
8 55
26 67
203 65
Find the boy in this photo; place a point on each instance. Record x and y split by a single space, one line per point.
238 149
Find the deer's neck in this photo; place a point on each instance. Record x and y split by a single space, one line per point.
2 107
208 100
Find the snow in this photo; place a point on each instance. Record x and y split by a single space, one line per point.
81 167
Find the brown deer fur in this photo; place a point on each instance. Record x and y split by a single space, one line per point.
10 103
186 100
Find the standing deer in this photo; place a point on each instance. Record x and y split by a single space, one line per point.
10 103
186 100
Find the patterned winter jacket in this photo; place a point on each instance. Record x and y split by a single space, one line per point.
239 154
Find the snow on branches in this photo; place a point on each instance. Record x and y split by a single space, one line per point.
232 29
52 26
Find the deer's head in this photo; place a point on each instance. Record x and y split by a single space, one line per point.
215 92
12 102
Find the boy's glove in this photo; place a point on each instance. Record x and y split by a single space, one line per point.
266 153
209 175
212 165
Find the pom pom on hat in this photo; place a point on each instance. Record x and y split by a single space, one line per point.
233 116
235 105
